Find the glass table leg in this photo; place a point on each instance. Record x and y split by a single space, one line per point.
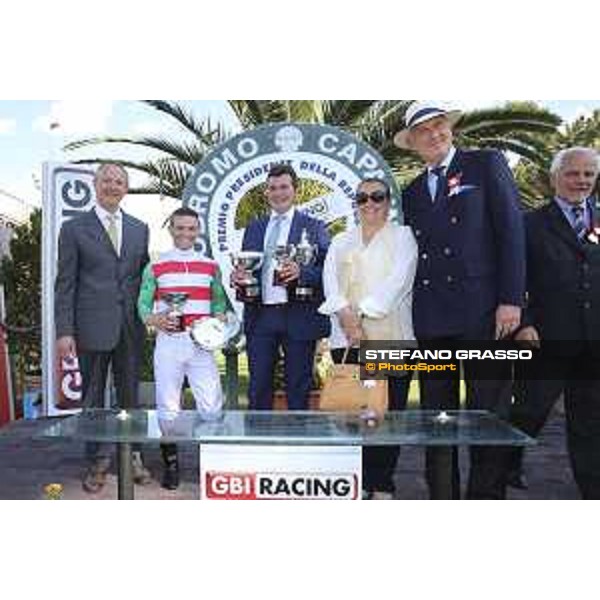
441 484
125 485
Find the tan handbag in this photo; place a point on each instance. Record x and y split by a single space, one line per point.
344 391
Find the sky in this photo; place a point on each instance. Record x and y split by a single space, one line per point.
27 140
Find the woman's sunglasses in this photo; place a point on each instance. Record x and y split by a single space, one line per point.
377 197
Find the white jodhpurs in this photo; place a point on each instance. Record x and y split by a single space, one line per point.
176 356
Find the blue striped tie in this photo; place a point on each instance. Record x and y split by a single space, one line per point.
579 222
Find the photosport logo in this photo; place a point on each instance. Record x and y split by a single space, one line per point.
223 187
395 358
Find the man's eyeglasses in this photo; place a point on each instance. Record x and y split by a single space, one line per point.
378 197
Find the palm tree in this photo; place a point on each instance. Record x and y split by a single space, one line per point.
514 127
533 176
177 158
511 127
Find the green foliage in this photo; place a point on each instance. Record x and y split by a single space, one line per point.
533 176
519 127
254 204
20 273
147 368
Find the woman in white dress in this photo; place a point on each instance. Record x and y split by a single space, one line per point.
368 279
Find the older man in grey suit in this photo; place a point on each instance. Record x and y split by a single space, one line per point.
101 256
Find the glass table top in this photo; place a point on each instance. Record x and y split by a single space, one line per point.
406 428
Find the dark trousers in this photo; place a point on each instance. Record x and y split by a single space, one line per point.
125 360
379 462
578 378
270 333
441 391
529 413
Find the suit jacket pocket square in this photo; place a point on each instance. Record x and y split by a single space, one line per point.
459 189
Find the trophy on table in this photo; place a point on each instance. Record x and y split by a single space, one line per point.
281 254
248 290
175 301
305 255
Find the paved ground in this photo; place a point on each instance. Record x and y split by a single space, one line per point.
547 468
27 465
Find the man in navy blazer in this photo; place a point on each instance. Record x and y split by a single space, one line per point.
281 319
563 316
470 282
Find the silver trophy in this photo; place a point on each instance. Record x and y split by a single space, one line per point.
281 254
175 301
211 333
305 255
248 290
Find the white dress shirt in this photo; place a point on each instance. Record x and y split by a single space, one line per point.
276 294
432 178
105 216
567 209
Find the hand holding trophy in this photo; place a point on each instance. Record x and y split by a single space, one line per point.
175 301
305 255
283 255
243 278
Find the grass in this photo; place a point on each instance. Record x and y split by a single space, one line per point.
188 402
243 375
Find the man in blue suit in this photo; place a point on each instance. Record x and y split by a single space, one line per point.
282 318
470 282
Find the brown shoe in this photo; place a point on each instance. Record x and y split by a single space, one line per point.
95 477
377 495
141 475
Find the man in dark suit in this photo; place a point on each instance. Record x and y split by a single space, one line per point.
563 315
464 212
101 256
281 318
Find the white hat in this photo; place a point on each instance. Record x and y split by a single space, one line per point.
419 112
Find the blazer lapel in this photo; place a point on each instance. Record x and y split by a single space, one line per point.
595 207
261 234
98 231
126 236
295 228
561 226
423 200
454 168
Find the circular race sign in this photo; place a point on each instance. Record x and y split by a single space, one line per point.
330 156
